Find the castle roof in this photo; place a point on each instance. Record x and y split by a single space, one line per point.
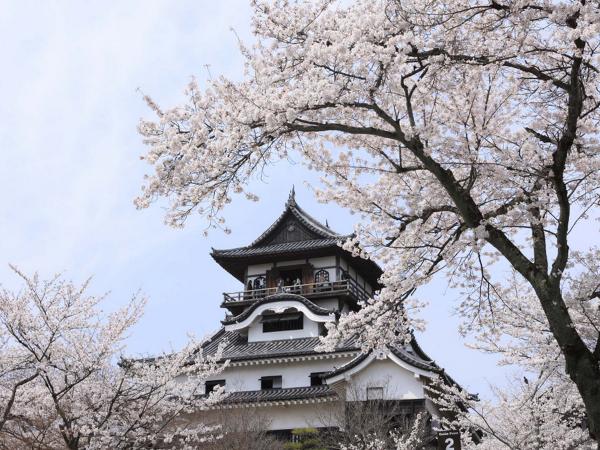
405 354
294 234
237 349
295 394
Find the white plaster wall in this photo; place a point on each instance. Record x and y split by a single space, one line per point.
360 280
325 261
258 269
322 261
344 264
315 415
293 374
294 262
255 331
432 408
397 382
353 274
327 303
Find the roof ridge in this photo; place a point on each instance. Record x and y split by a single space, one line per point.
311 221
271 228
418 349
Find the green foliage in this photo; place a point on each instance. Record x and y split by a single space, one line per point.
308 440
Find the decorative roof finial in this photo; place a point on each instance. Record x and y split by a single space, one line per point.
292 197
326 223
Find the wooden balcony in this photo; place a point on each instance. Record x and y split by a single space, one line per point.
326 289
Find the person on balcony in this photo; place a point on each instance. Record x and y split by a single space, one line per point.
248 293
259 287
297 286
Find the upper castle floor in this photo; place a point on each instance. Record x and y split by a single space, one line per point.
301 256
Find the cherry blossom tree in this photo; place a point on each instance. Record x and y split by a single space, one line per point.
63 383
534 412
414 438
463 132
541 407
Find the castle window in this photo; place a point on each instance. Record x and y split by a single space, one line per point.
291 277
272 382
316 378
374 393
210 386
282 322
321 276
259 282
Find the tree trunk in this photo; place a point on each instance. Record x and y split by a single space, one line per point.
585 373
580 362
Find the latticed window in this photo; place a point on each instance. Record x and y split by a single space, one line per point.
282 322
321 276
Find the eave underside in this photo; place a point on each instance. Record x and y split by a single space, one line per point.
236 261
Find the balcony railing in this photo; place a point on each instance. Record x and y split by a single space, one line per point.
326 288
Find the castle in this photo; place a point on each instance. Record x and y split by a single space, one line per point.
296 278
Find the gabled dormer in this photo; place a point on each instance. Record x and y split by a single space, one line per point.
298 255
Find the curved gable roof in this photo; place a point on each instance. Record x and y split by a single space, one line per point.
398 351
276 298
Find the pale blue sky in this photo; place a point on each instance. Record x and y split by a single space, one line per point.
70 165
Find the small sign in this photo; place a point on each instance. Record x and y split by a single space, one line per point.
448 440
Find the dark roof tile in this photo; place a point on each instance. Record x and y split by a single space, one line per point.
275 249
285 394
237 348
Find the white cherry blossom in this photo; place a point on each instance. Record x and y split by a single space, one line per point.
463 133
64 382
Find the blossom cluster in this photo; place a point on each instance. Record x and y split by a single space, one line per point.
65 384
463 134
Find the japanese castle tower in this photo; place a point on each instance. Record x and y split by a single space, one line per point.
296 278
